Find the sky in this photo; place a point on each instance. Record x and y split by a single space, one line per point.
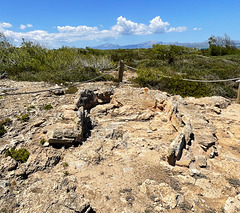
81 23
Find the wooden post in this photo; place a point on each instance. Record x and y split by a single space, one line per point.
120 71
238 97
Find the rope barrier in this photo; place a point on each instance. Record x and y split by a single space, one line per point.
211 81
196 80
204 81
131 67
106 73
59 88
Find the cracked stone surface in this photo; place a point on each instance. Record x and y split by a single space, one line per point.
120 162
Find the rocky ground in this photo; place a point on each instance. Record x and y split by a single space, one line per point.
118 148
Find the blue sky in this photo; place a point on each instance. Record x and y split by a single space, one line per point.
82 23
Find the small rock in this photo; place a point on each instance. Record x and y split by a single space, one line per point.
57 92
194 172
4 183
46 144
214 152
38 123
175 149
58 133
201 161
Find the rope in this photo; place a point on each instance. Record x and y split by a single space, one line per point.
116 69
130 67
205 81
49 90
212 81
106 73
196 80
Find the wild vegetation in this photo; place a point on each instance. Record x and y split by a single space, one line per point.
20 155
163 66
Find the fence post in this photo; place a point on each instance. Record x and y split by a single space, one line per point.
120 71
238 97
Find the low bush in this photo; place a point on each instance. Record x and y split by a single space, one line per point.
2 130
221 60
23 117
6 121
31 108
71 90
42 141
48 107
20 155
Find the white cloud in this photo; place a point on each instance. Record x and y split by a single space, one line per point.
5 25
158 26
177 29
127 27
196 28
82 32
22 26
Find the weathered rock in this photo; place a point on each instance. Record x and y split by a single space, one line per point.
201 161
214 152
40 162
65 134
87 99
126 146
8 164
39 122
60 141
175 149
61 192
58 92
195 172
205 138
4 183
185 160
188 134
232 204
214 101
162 193
172 112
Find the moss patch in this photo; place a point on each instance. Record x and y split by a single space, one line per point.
71 90
20 155
48 107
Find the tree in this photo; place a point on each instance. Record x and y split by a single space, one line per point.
221 45
4 42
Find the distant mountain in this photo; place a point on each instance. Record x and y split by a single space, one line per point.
148 44
108 46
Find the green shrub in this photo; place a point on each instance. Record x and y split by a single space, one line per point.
2 130
6 121
65 165
71 90
30 108
23 117
20 155
174 85
42 141
33 62
66 173
48 107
